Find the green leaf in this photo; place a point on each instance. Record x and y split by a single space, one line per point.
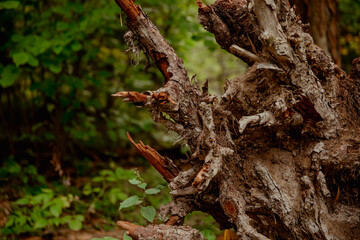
76 46
79 217
56 209
152 191
75 225
33 61
126 237
57 49
160 187
22 201
61 26
148 213
9 4
55 221
98 179
131 201
134 181
21 58
87 189
142 185
55 68
40 223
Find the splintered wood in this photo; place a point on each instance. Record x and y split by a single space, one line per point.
133 97
163 165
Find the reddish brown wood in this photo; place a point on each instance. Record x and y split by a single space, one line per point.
130 8
163 165
172 220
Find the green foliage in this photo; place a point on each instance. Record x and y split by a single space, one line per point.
9 4
9 75
50 208
45 209
148 212
204 223
350 31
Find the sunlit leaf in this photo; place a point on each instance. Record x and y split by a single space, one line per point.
131 201
75 225
21 58
142 185
152 191
40 223
9 75
148 213
134 181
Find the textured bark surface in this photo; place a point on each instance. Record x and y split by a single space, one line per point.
277 156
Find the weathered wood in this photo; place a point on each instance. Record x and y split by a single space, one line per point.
160 232
163 165
277 157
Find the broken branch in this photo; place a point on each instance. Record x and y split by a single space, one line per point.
151 39
163 165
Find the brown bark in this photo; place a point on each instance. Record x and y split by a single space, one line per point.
277 157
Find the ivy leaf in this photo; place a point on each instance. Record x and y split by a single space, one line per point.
152 191
131 201
148 213
21 58
9 75
9 4
134 181
75 225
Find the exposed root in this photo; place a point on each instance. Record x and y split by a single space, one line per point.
265 118
160 232
244 54
212 166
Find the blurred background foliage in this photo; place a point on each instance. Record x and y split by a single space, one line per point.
349 31
64 155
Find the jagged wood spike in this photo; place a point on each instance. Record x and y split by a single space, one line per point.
163 165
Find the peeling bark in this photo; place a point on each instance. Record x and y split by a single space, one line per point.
278 156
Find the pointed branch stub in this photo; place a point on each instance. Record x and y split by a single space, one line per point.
163 165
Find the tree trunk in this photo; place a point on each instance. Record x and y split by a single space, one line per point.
323 16
277 156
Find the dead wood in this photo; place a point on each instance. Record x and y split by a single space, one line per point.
278 156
